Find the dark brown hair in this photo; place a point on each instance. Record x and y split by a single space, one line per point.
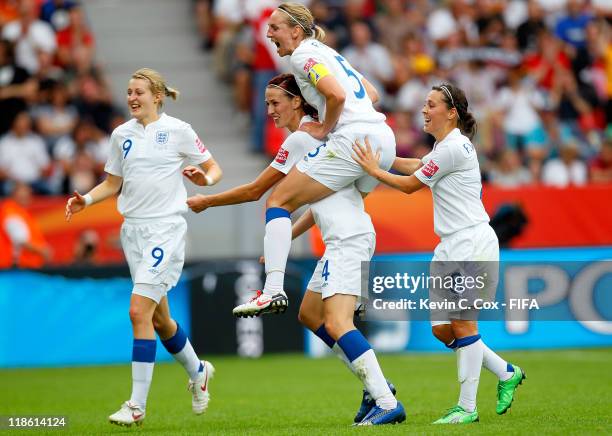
287 83
454 97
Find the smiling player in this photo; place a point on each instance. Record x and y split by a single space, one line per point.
145 162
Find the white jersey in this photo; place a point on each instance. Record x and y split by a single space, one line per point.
340 215
306 63
452 172
150 159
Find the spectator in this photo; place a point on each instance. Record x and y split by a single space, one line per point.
519 104
508 171
74 158
29 35
22 243
527 33
23 156
94 101
571 28
86 247
56 13
370 58
16 87
391 25
567 169
75 41
601 166
56 118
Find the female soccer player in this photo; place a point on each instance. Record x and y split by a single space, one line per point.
332 293
146 157
343 99
452 172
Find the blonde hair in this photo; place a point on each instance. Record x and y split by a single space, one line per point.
157 83
299 15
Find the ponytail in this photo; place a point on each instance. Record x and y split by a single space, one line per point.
454 97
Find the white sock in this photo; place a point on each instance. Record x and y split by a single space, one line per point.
338 351
277 243
368 370
142 374
494 363
469 363
189 359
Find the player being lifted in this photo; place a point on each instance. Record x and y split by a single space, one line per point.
343 100
452 173
145 162
335 287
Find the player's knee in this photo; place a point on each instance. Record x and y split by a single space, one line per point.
308 320
138 315
337 327
443 333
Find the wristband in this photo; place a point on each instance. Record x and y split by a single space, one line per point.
88 199
209 180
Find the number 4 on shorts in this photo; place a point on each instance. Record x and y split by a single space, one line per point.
325 272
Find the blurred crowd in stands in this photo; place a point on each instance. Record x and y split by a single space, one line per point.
537 74
56 107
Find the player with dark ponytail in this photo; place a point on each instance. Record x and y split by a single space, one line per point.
468 244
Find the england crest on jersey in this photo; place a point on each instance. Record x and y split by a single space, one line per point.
161 137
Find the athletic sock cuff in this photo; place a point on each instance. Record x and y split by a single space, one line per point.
276 212
143 350
321 332
177 342
468 340
354 344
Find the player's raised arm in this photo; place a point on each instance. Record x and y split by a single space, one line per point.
334 96
251 191
368 160
109 187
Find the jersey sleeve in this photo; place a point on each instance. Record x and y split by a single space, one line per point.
191 147
113 163
440 163
308 64
291 152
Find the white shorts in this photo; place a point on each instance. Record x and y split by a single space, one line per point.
479 247
155 253
332 164
339 270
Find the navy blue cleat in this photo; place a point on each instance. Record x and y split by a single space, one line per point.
367 402
378 416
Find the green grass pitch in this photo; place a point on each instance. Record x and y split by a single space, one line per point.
566 392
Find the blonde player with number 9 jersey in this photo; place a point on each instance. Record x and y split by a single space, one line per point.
148 155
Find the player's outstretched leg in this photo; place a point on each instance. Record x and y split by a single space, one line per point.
507 388
143 360
367 401
261 304
469 362
175 340
277 242
199 387
128 414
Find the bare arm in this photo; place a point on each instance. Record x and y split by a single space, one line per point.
241 194
208 173
334 96
302 224
109 187
369 161
370 90
406 166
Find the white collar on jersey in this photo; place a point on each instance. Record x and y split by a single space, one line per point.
306 119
